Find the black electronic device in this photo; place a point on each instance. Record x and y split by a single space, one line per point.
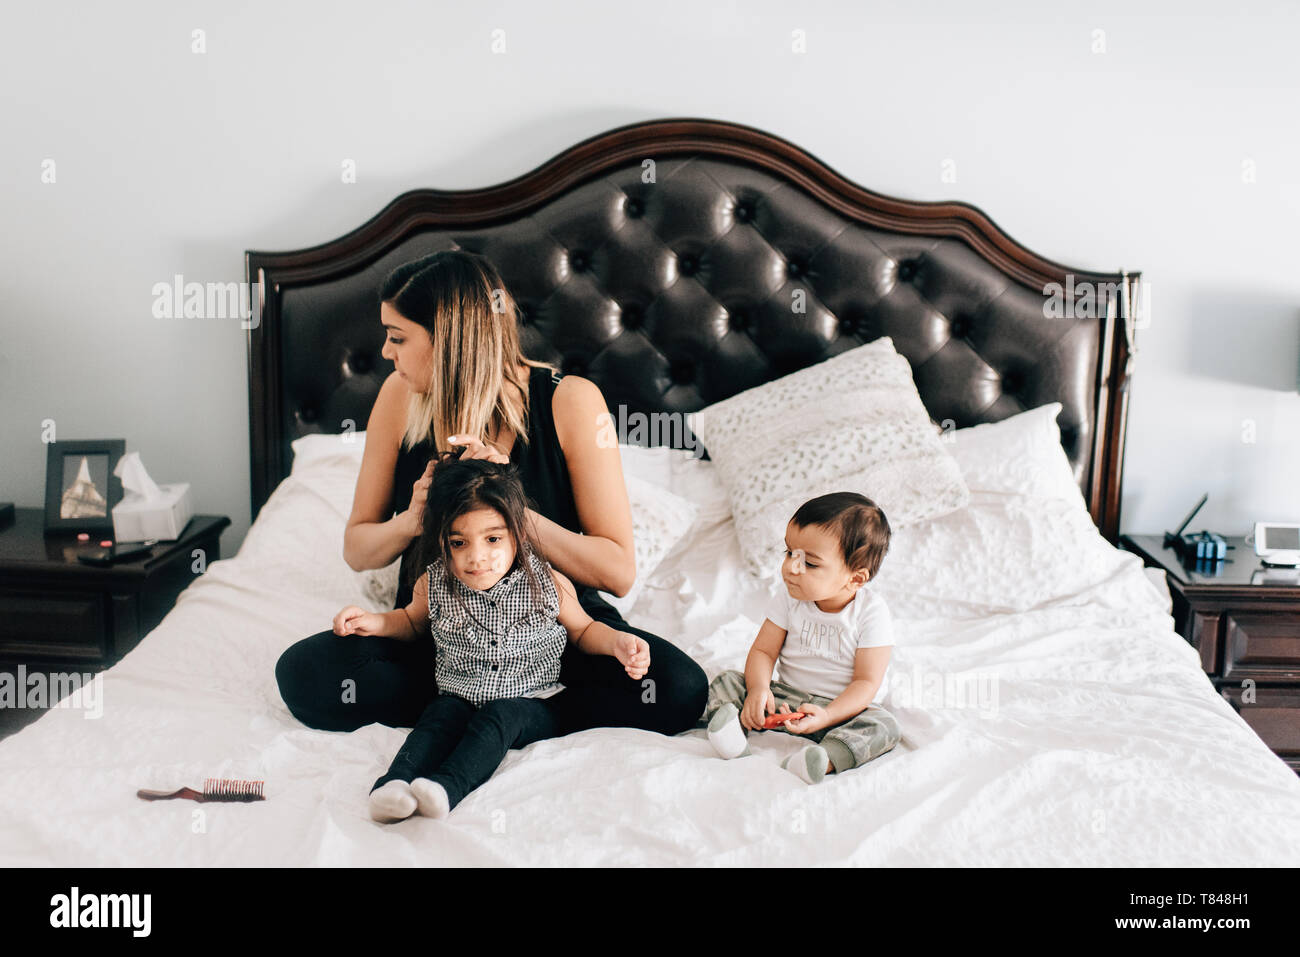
115 554
1174 540
1203 546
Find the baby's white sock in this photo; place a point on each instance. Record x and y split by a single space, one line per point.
392 802
808 764
431 797
726 733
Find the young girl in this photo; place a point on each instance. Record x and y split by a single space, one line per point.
500 617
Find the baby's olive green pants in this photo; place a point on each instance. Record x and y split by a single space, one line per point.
849 744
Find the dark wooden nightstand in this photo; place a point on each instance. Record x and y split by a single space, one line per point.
55 610
1244 619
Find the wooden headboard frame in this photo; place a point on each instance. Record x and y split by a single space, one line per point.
331 280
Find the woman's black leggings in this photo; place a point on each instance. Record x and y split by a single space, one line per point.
344 683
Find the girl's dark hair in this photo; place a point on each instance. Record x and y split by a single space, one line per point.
858 523
459 486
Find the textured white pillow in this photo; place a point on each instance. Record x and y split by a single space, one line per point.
851 423
660 520
1021 455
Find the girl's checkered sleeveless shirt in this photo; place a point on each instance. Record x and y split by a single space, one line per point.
509 647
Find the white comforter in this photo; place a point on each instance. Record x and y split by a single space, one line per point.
1050 715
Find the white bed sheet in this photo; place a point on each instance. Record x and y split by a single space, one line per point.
1104 744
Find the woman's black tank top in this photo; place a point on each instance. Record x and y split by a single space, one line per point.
542 469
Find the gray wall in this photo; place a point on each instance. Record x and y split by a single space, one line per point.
169 161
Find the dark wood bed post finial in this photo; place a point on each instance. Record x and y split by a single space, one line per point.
1122 375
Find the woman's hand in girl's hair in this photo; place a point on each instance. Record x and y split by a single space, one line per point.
633 654
357 621
475 449
419 496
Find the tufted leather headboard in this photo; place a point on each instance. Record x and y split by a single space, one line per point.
665 261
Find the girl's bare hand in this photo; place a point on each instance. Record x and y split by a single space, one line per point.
633 654
475 449
356 621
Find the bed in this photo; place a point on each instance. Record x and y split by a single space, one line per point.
1050 713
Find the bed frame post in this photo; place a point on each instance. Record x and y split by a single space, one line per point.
265 463
1121 320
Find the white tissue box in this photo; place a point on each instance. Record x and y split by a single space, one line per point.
136 518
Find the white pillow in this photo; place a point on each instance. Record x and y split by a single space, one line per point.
1020 455
851 423
1006 553
316 447
1025 540
697 481
327 466
660 520
297 538
653 464
681 472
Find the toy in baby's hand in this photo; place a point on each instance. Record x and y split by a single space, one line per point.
780 718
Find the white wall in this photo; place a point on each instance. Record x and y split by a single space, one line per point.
172 162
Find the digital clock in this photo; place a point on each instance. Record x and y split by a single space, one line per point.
1277 544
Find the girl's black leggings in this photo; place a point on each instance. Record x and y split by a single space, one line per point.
459 745
344 683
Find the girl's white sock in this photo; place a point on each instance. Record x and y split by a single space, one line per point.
808 764
392 802
726 733
431 797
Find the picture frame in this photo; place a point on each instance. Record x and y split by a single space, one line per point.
80 487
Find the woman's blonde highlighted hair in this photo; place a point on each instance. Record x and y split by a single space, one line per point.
473 324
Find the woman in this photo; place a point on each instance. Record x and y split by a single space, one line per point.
461 380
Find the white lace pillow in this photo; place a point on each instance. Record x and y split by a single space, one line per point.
851 423
660 520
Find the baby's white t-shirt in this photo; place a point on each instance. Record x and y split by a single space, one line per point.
820 647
